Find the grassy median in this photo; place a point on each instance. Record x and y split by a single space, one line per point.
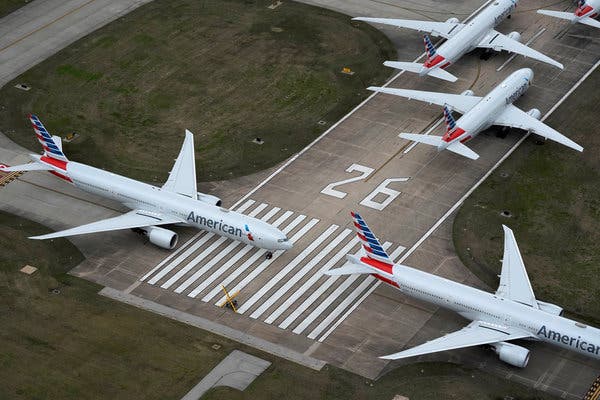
8 6
228 70
553 195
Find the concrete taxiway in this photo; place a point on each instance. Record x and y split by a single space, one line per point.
406 193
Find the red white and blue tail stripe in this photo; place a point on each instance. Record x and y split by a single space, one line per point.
429 49
450 122
50 147
369 241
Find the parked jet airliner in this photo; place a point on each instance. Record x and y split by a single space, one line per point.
584 14
176 202
479 113
511 313
462 38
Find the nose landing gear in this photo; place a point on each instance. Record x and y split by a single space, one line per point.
269 255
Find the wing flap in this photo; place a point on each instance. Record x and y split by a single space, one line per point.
475 334
514 282
182 178
457 102
497 41
132 219
443 29
515 118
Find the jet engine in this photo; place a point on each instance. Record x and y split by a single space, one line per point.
207 198
467 93
515 36
535 113
452 21
161 237
550 308
512 354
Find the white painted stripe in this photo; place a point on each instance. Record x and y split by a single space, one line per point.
241 209
209 280
262 266
206 267
288 269
300 274
329 299
302 289
468 193
338 310
195 247
182 257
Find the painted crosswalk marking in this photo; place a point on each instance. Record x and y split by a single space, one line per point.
295 295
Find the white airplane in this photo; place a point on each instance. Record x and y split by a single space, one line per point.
176 202
511 313
584 14
479 113
462 38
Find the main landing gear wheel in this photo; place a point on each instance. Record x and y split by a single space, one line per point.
269 255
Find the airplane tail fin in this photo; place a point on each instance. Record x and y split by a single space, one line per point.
369 241
52 145
429 49
449 119
417 68
455 147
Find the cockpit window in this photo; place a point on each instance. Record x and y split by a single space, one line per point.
282 240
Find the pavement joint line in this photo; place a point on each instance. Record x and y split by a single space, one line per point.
468 193
215 328
79 7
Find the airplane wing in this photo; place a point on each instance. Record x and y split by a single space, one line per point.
132 219
515 118
443 29
182 178
457 102
475 334
497 41
514 282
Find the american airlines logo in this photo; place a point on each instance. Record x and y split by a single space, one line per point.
511 99
214 224
568 340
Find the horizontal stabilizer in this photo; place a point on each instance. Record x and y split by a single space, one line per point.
425 139
459 148
26 167
558 14
590 21
350 269
417 68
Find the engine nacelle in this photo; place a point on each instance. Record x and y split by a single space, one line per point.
452 20
161 237
550 308
467 93
515 36
535 113
207 198
512 354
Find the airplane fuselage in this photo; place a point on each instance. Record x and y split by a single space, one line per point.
138 195
470 35
482 115
477 305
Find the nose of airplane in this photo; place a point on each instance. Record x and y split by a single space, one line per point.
528 72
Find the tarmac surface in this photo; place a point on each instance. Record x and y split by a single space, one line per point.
406 193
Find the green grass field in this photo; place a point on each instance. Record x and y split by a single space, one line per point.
228 70
76 344
8 6
553 194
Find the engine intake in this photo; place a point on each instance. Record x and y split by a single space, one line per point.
161 237
512 354
515 36
467 93
208 199
535 113
453 20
